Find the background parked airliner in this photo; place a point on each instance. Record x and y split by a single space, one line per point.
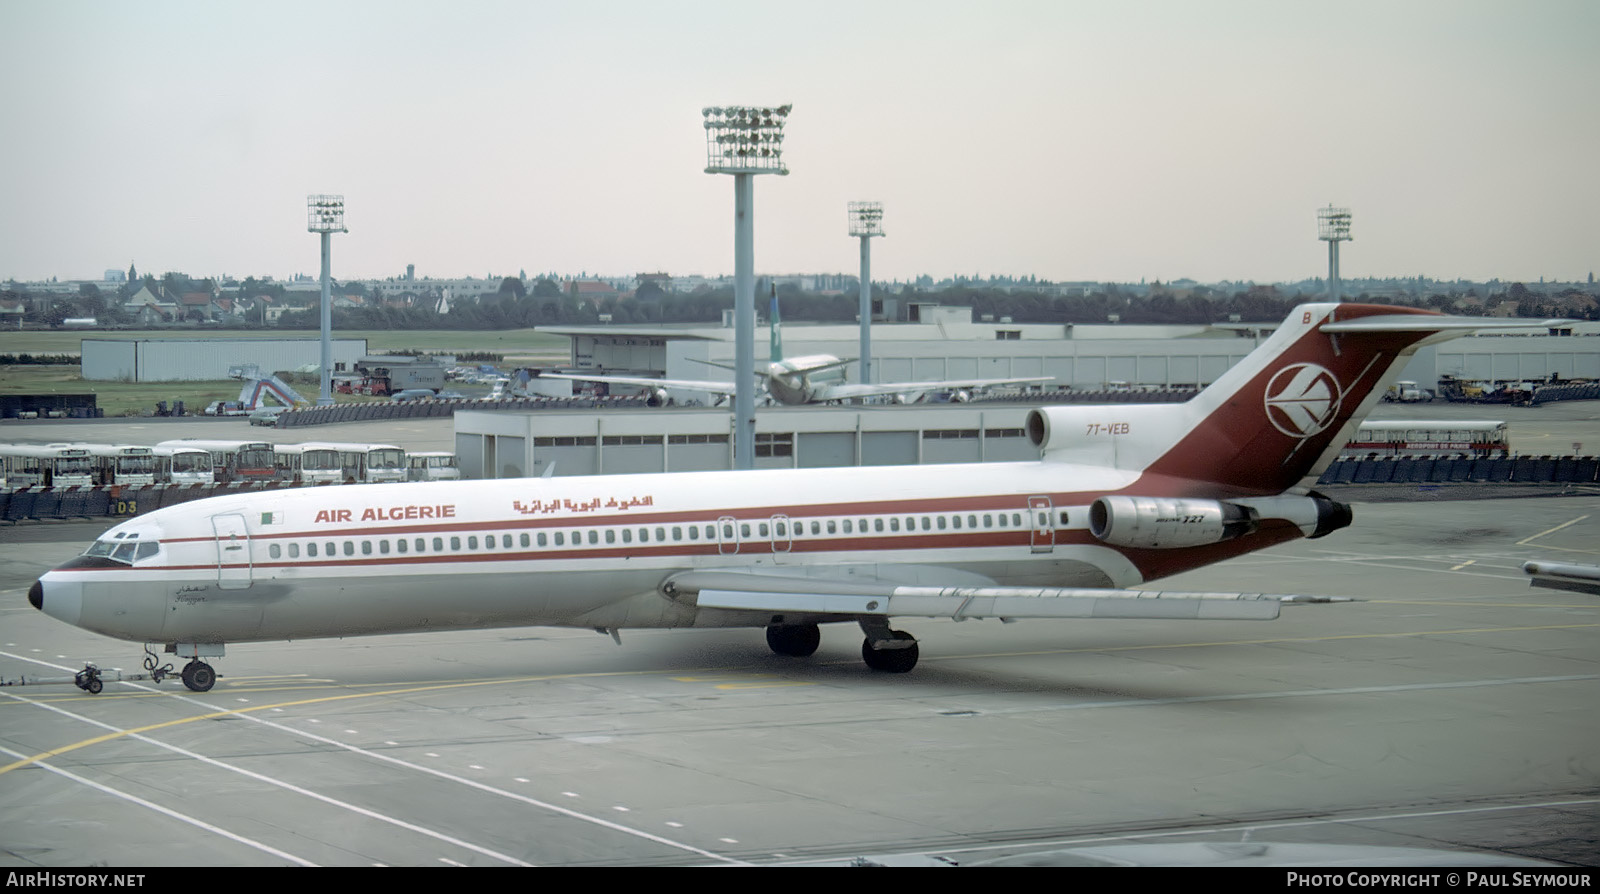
812 379
1122 495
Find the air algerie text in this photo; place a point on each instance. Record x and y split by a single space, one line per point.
391 513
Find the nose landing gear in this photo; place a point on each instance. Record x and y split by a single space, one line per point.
199 676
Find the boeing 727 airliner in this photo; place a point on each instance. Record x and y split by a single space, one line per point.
1122 495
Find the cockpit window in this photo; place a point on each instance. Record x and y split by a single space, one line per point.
125 547
100 548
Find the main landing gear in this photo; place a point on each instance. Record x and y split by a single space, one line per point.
795 640
890 651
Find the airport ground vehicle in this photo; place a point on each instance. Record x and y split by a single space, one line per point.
123 464
267 416
1407 393
234 460
183 465
47 465
327 462
432 465
1430 437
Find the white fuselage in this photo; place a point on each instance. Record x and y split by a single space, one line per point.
803 380
591 552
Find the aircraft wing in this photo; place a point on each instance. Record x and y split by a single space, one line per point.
1561 576
685 384
865 598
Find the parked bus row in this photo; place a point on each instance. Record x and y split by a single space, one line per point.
201 461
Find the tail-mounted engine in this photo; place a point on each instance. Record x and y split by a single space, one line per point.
1177 522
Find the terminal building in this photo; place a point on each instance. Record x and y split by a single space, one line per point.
641 439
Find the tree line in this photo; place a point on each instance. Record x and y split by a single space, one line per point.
514 306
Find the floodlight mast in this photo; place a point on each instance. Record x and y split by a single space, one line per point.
1333 227
744 141
325 215
866 221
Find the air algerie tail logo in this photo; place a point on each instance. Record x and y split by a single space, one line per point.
1303 399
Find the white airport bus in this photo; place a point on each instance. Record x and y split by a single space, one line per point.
123 464
1430 438
328 462
433 465
311 463
48 465
234 460
184 465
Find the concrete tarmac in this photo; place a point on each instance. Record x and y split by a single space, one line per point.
1452 709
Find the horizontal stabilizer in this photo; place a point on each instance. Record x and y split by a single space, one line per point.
1561 576
1411 322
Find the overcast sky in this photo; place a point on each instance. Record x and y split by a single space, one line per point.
1097 140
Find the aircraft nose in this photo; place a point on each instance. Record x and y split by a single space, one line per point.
65 602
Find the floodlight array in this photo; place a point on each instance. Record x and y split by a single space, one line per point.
745 139
1333 224
325 214
866 218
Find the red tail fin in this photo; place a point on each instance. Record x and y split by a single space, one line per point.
1282 413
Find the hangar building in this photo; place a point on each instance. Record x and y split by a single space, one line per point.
944 343
206 359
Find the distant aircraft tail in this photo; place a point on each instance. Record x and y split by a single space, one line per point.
776 346
1276 418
